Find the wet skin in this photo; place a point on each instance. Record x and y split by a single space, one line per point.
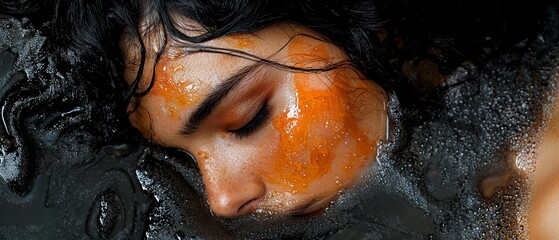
277 140
544 210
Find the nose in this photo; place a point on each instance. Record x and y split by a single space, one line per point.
232 196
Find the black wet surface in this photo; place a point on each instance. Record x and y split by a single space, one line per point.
67 173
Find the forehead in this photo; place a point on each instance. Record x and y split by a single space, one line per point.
188 63
209 63
230 52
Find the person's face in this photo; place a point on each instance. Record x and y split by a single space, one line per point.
265 138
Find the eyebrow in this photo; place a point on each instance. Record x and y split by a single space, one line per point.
214 99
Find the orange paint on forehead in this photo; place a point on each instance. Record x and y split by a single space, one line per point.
306 52
240 40
171 84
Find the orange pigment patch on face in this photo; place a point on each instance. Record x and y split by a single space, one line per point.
322 122
170 84
202 155
240 40
305 52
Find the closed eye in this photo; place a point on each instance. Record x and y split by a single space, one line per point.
259 120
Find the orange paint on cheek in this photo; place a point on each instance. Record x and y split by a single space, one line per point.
171 85
322 123
310 135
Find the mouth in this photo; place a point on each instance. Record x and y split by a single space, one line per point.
311 208
303 209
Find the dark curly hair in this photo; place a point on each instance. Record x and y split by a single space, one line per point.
380 38
405 46
398 44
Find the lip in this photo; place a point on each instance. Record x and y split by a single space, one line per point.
311 207
302 209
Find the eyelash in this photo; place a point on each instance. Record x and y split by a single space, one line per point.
258 121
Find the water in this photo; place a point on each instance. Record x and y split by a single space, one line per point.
70 168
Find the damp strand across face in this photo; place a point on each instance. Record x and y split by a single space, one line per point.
265 138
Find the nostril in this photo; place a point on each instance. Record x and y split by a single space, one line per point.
248 207
226 206
227 200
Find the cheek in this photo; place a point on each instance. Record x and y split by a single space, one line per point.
324 136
